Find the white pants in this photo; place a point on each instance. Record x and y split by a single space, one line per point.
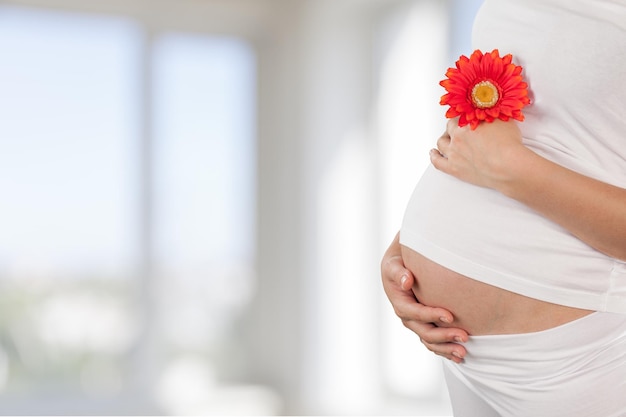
574 370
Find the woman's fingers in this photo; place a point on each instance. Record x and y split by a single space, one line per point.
431 324
443 144
442 341
427 323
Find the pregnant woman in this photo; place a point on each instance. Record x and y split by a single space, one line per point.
511 259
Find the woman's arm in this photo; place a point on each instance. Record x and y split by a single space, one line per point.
493 156
422 320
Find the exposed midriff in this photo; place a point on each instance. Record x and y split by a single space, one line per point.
480 308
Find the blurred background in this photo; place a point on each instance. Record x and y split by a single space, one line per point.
195 196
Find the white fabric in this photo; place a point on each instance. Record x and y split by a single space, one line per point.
574 370
574 58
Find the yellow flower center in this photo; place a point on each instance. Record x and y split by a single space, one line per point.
485 95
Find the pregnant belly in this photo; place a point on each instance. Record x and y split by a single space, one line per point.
479 308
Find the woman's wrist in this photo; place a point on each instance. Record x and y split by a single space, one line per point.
515 167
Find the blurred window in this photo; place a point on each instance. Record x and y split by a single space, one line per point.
204 208
77 272
68 197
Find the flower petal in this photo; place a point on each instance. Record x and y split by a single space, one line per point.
501 72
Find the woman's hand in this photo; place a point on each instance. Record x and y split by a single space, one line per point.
422 320
479 156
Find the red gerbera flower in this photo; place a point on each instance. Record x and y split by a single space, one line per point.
484 87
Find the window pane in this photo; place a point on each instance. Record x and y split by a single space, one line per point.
204 90
204 202
68 181
67 143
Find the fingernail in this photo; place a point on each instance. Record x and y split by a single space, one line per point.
458 339
444 319
456 354
403 280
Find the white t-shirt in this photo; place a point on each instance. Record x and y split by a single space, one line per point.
574 57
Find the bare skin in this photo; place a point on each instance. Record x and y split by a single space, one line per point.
479 308
452 306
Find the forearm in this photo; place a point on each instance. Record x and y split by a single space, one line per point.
593 211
